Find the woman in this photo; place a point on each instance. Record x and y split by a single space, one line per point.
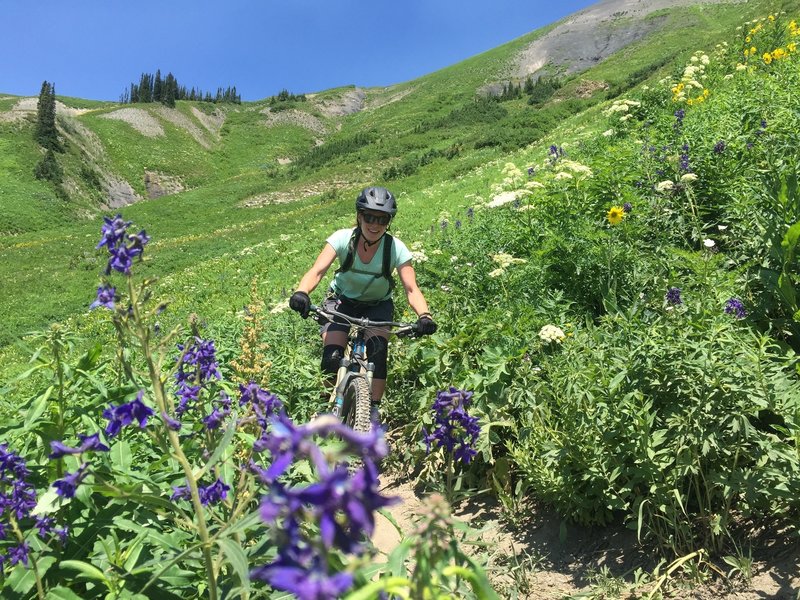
362 286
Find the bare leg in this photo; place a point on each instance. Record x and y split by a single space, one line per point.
378 386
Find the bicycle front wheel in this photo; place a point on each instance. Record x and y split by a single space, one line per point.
357 405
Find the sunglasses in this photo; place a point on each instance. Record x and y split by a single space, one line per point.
371 219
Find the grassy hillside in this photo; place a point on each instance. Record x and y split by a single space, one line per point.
615 279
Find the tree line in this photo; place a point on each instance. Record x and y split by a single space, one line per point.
538 90
155 88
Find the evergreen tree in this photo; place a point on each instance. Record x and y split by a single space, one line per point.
170 91
46 133
158 87
48 168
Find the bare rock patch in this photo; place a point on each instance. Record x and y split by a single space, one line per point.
294 117
141 120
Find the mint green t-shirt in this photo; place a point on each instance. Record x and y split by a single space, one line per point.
365 282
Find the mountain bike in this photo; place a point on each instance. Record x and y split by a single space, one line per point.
351 397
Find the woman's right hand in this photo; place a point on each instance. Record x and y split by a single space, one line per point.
301 303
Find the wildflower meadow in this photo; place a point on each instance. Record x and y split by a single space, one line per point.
619 328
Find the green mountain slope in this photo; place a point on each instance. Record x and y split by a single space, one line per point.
234 162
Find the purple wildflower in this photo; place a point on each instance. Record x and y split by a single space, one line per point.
684 160
187 394
454 429
67 485
181 492
106 295
673 296
531 171
735 307
113 231
120 416
719 147
173 424
87 443
19 554
45 525
627 207
214 493
203 357
305 583
17 495
214 420
264 403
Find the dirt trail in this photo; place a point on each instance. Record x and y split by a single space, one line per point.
541 558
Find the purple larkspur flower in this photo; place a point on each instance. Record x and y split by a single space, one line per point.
214 420
19 554
214 493
673 296
210 494
173 424
187 395
263 403
106 295
123 415
531 171
719 147
17 494
87 443
735 307
45 525
454 429
112 231
67 485
121 260
201 355
305 583
470 213
627 207
680 114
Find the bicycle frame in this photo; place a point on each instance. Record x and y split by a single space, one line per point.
355 362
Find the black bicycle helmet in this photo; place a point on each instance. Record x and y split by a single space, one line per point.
377 198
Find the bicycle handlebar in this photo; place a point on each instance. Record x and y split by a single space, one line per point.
327 315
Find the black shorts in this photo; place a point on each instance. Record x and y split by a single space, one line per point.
382 310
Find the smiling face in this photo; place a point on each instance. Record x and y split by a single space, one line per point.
373 231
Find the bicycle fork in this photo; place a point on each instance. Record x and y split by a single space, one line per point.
346 365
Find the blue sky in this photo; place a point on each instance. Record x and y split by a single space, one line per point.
94 49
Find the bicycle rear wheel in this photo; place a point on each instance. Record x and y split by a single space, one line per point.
357 405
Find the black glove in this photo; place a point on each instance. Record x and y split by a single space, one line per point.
301 303
426 325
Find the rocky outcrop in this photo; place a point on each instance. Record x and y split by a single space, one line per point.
119 193
158 184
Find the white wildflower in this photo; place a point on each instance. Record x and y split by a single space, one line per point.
532 185
497 272
665 186
709 243
504 259
722 227
551 333
688 178
562 175
419 256
501 199
608 133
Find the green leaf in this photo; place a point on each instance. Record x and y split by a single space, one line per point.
224 443
22 578
49 502
87 570
37 407
121 456
238 560
61 593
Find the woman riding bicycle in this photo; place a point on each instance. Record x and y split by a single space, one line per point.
362 286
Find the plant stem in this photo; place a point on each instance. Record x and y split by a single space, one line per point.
142 334
34 566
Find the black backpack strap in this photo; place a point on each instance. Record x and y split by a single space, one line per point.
351 251
387 259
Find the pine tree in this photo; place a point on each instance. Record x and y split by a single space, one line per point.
158 87
46 133
170 91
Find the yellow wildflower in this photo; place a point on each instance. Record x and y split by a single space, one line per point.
778 54
767 57
705 93
753 51
615 215
791 47
747 39
690 102
771 18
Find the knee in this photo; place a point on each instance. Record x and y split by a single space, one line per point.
331 357
377 351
